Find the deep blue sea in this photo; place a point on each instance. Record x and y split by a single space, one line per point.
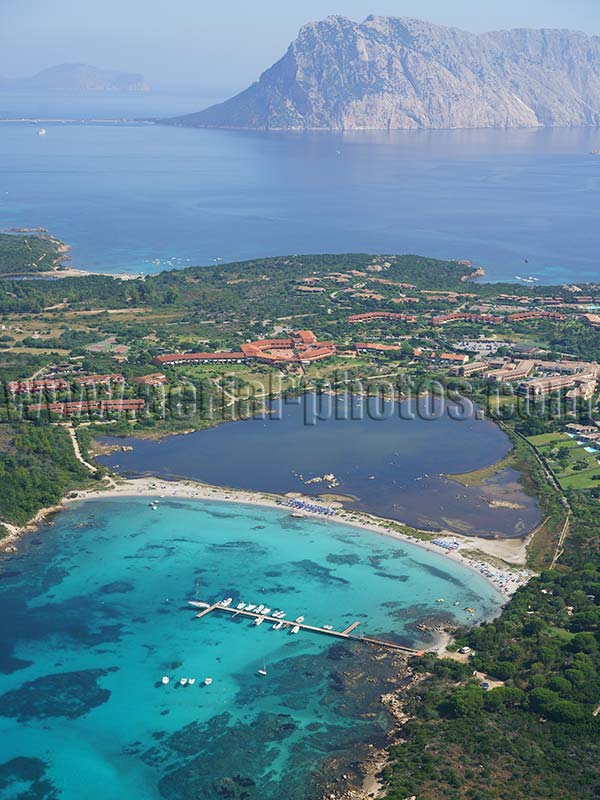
94 613
138 197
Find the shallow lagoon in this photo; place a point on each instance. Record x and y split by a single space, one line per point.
94 613
393 466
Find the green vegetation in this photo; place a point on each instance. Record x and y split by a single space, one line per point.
24 254
536 735
37 468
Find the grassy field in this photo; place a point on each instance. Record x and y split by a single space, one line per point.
574 467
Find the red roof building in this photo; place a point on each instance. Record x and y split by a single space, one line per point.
26 387
86 406
99 380
302 347
370 316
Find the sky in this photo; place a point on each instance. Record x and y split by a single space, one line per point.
224 45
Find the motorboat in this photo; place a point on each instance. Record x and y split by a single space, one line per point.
299 619
266 611
259 608
191 681
241 606
250 607
327 627
226 603
198 604
263 671
208 681
183 682
278 626
166 680
258 621
296 629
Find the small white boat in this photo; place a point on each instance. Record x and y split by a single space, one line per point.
263 671
278 626
226 603
198 604
258 621
259 608
266 611
241 606
191 681
166 680
42 132
208 681
183 682
327 627
299 619
250 607
296 629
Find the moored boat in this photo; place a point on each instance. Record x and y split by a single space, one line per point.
208 681
166 680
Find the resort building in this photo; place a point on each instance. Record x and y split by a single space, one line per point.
537 387
99 380
474 368
523 316
70 409
581 430
460 316
511 371
154 379
454 358
374 347
302 348
30 386
372 316
593 320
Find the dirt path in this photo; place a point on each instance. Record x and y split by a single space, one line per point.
77 450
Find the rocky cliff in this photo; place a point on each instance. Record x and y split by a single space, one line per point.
390 73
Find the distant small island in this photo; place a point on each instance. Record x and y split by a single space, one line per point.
77 77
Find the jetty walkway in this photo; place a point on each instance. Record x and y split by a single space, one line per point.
346 634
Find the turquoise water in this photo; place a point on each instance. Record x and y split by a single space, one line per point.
95 613
138 197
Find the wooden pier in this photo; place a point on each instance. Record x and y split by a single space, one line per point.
289 624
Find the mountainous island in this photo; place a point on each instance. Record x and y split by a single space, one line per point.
398 73
77 77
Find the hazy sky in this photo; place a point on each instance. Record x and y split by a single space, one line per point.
225 44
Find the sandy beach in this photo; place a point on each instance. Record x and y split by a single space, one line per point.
506 578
